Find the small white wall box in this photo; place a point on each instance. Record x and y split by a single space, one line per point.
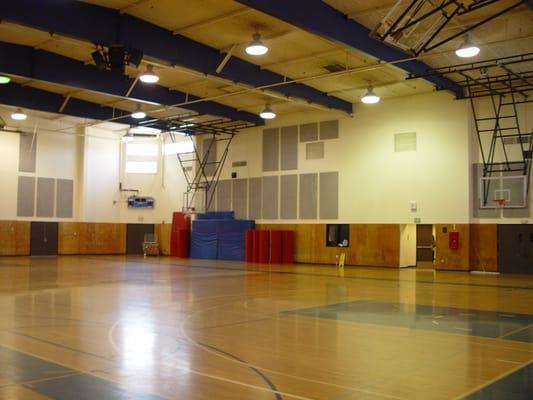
141 202
413 206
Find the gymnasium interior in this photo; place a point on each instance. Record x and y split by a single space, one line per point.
266 199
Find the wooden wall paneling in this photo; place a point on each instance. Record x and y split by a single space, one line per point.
447 259
102 238
375 245
163 235
14 238
484 247
69 238
22 238
370 244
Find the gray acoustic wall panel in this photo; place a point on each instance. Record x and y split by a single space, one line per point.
240 198
27 153
329 130
289 148
288 197
271 149
308 196
329 195
314 151
26 196
255 195
209 153
45 197
64 198
224 195
270 197
309 132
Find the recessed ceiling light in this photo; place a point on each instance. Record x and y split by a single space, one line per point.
256 47
149 76
19 115
467 49
4 79
267 113
138 114
370 97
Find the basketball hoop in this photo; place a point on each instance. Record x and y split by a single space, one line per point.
500 202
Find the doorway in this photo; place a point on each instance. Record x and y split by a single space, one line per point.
135 237
425 246
43 238
515 249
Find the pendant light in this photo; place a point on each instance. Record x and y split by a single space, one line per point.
267 113
370 97
149 75
138 114
467 49
256 47
19 115
4 79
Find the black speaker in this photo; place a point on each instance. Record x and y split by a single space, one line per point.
134 57
116 58
99 60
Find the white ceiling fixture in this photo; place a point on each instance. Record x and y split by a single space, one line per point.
128 137
256 47
149 75
4 79
370 97
19 115
267 113
139 113
467 49
144 130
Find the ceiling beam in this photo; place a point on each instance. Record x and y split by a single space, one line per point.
44 66
320 19
109 26
26 97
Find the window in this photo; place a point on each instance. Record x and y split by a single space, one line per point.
141 167
141 158
337 235
182 147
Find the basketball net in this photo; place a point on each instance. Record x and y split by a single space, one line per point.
500 202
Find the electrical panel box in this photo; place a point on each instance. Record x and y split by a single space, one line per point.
140 202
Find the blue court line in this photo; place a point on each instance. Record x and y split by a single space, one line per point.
462 321
517 385
58 382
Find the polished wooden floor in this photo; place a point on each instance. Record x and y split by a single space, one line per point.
179 329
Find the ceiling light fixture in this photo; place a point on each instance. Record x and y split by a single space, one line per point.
467 49
128 137
370 97
256 47
19 115
149 76
4 79
267 113
138 114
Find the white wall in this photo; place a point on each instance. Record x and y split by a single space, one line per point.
9 157
56 157
377 185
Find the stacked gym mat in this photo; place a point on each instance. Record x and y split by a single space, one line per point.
180 234
274 247
218 235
